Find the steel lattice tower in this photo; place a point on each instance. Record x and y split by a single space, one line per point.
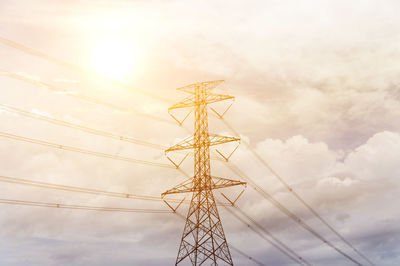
203 240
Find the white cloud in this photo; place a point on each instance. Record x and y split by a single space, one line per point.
317 96
346 189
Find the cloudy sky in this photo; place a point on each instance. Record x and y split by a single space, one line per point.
317 87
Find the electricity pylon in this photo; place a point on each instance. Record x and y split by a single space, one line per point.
203 240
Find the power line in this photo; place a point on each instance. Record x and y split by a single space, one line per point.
245 255
80 69
80 127
77 68
91 191
82 97
79 207
107 209
257 156
47 185
87 152
20 181
107 193
96 132
91 130
59 146
73 149
291 215
297 196
74 67
287 252
67 148
279 244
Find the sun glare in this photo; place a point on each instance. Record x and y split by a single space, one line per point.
113 58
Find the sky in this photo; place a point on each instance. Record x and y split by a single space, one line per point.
317 96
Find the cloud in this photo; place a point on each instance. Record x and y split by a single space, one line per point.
343 188
317 96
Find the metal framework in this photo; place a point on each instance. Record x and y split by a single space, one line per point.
203 240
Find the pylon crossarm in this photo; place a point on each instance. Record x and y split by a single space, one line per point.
185 144
217 139
187 185
209 85
191 101
219 182
187 102
213 97
184 187
213 139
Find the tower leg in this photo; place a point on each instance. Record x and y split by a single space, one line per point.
203 239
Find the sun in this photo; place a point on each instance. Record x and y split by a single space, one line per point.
113 58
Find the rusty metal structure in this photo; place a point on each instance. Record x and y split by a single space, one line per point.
203 240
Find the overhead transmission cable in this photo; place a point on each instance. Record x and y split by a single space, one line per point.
74 67
80 127
90 191
89 129
58 146
75 149
276 203
41 184
295 194
83 151
33 183
82 97
71 149
87 152
131 196
106 209
245 255
277 244
290 214
47 185
246 144
63 123
79 207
